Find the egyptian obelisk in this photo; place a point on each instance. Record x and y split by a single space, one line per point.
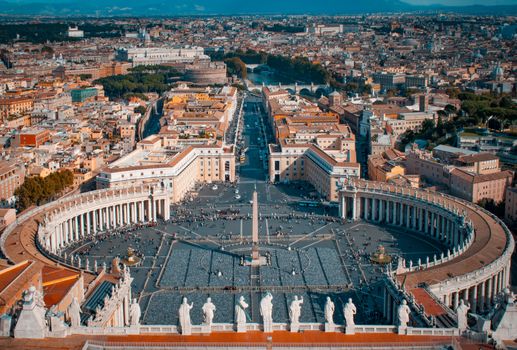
254 229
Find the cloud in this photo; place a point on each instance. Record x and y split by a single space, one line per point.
199 7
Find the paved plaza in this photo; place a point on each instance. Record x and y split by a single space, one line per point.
200 250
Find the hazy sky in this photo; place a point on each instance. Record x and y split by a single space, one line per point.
462 2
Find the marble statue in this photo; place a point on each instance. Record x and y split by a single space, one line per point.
462 311
184 316
208 311
329 311
115 265
266 311
403 312
349 311
134 313
295 311
240 314
74 313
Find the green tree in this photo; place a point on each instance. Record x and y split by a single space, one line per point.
38 190
236 67
140 109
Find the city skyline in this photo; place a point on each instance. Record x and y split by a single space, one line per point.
171 178
233 7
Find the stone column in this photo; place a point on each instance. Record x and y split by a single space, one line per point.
88 226
420 219
481 299
167 209
94 221
354 207
408 216
366 214
59 235
66 231
455 297
474 296
77 230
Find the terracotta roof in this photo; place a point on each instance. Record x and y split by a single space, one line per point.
431 307
8 275
477 178
479 157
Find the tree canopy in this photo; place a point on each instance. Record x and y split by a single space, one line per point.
39 190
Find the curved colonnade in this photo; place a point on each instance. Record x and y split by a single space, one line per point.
476 266
55 225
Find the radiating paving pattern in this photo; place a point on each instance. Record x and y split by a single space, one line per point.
191 268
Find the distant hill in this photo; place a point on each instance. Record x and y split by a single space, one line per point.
226 7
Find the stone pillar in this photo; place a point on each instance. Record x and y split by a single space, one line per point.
394 212
455 301
414 217
473 300
374 210
382 208
366 214
82 225
67 231
59 238
420 219
354 207
481 299
88 224
342 206
76 227
94 221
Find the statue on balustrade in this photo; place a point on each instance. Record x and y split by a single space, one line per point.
208 311
74 313
462 311
240 314
403 312
295 311
134 313
329 311
349 311
266 310
184 317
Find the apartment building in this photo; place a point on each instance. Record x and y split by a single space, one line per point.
10 106
177 169
474 187
311 145
290 161
471 177
12 176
